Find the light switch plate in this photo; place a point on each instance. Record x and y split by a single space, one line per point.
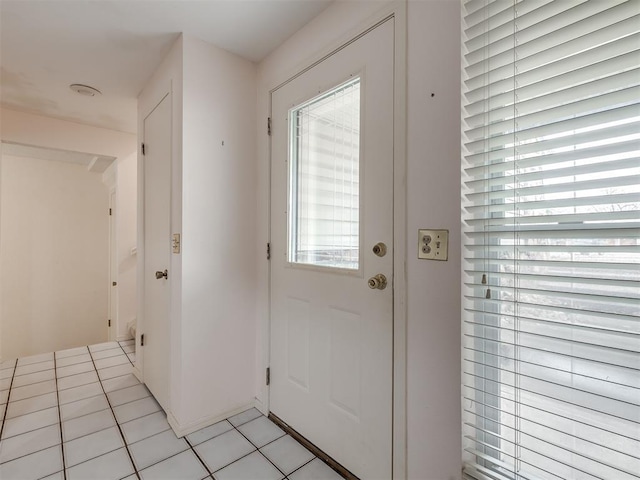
433 244
175 244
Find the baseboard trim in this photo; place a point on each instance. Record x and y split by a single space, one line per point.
182 430
261 406
138 374
340 469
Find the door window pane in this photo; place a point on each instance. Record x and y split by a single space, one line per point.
324 179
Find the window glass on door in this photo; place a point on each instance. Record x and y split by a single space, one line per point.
324 179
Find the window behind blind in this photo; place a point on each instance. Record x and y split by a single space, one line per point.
324 179
551 217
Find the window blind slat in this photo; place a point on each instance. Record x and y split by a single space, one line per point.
530 308
598 184
596 465
477 15
584 20
544 113
562 454
521 175
568 126
620 199
585 368
490 158
501 38
543 95
532 406
558 19
585 341
553 48
605 440
594 59
575 282
541 219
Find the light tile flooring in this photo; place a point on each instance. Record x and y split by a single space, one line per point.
81 414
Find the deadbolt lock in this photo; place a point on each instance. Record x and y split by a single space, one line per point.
378 282
380 249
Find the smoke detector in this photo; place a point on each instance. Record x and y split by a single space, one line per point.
85 90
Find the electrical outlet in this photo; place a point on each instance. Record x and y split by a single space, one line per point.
433 244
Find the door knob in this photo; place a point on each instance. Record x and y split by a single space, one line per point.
378 281
160 274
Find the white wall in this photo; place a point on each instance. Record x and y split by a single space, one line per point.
433 173
53 256
126 237
30 129
218 218
213 207
433 176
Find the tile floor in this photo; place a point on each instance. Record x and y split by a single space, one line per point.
81 414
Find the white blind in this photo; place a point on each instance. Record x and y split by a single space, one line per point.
551 215
324 190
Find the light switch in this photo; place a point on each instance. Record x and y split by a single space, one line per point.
176 243
433 244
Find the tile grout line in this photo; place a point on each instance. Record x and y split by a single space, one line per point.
34 396
69 403
237 459
189 445
29 431
6 407
285 434
124 440
122 348
107 408
55 376
33 383
303 465
198 456
258 448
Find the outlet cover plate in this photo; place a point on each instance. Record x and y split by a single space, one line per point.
433 244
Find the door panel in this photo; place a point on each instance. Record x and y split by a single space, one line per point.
157 244
331 202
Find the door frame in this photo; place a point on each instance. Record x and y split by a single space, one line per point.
397 12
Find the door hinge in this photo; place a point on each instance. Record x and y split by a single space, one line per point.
268 251
110 212
269 126
109 322
142 340
268 375
143 149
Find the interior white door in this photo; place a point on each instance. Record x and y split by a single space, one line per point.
331 204
113 268
157 249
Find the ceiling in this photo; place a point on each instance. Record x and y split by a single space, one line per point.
115 46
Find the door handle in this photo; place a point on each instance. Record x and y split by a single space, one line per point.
160 274
378 281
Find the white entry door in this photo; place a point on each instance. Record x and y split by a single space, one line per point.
331 222
157 249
